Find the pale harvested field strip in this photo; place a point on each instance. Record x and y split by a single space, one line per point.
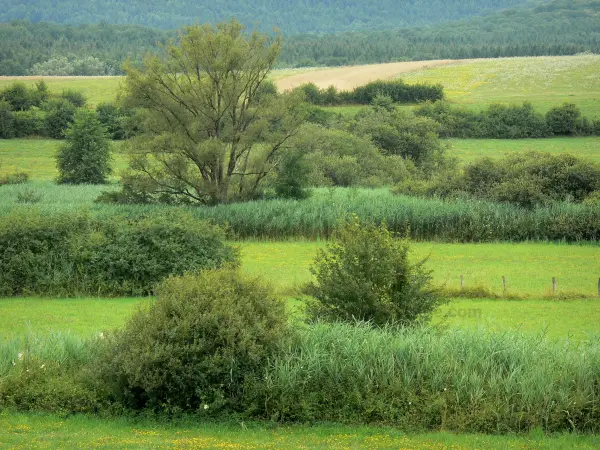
349 77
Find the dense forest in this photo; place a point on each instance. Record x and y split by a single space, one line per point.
561 27
293 16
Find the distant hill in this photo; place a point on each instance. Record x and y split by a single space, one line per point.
560 27
291 16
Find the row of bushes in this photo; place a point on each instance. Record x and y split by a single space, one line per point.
525 180
397 90
28 112
509 121
75 254
220 345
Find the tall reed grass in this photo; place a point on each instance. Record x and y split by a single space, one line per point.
431 379
425 219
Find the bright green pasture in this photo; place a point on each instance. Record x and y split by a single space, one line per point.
96 89
80 316
470 149
544 81
36 157
528 267
47 431
104 89
557 319
85 317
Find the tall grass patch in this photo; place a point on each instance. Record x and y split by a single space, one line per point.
429 379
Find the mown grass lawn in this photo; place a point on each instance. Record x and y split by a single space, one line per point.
27 431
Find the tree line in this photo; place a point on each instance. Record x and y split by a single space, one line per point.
558 28
295 16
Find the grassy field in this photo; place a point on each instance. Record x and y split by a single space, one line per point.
96 89
36 157
528 267
47 431
469 149
104 89
543 81
84 317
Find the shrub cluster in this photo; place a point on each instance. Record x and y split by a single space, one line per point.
397 90
75 254
509 121
197 348
35 112
526 180
364 274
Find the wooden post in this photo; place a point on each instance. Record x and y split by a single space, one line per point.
504 283
462 283
598 286
554 285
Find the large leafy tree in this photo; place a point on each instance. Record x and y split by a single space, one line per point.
215 128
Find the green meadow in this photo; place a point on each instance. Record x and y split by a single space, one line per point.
527 267
96 89
544 81
467 150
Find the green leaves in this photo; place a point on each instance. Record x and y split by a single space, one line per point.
85 156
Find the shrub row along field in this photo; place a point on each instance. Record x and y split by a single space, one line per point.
36 157
318 216
413 378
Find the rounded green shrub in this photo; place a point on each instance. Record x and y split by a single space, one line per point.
197 346
131 255
365 274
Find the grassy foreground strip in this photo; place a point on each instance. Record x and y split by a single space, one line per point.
22 431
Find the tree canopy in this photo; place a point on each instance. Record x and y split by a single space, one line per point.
214 128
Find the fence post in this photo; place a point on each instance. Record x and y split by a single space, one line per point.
598 286
504 283
554 285
462 283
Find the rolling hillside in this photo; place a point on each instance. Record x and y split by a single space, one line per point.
293 16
